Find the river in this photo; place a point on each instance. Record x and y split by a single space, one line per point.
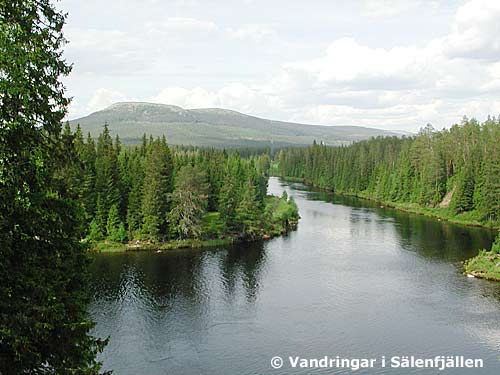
354 280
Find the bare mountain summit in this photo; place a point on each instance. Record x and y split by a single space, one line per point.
214 127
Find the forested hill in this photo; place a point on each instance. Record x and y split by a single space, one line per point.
214 127
454 173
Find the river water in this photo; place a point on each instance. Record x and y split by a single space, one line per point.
354 280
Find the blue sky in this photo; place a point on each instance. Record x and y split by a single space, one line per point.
393 64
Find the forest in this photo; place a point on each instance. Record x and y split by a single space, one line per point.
155 193
453 173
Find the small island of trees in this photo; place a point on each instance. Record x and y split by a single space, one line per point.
152 196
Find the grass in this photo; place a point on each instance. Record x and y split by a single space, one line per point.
116 247
485 265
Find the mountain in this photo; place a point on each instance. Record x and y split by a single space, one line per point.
214 127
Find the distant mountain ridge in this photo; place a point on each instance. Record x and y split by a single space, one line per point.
214 127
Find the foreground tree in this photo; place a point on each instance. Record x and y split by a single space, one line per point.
43 266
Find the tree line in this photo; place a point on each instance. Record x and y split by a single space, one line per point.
456 168
155 192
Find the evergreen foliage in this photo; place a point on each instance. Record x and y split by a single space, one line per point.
156 193
463 161
44 328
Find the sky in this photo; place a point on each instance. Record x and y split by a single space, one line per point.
390 64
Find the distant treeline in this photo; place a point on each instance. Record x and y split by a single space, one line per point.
457 168
155 192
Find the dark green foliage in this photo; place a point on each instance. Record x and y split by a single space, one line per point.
463 161
95 233
156 188
248 214
44 326
227 202
463 197
115 228
496 245
189 202
216 193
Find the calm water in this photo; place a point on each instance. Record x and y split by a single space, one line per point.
354 280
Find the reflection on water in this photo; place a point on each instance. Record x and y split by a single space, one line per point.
354 279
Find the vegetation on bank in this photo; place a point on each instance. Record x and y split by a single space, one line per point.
485 265
451 174
154 196
281 215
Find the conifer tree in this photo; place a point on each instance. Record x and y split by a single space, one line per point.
43 270
157 186
227 202
115 228
189 201
248 214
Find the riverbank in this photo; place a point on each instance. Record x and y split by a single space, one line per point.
485 265
281 217
114 247
466 218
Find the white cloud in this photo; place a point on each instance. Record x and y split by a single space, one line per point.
97 39
187 98
253 32
388 8
351 80
475 31
100 99
187 24
233 96
103 98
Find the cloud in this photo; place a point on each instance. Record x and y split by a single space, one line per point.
97 39
475 31
99 100
351 80
388 8
187 98
253 32
187 24
233 96
350 64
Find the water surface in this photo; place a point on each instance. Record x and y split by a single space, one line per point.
354 280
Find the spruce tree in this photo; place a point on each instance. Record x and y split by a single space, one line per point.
227 202
44 326
157 185
189 201
248 214
115 228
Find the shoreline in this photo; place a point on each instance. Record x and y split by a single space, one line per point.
436 213
485 265
139 246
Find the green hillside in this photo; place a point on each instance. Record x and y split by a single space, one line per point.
214 127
